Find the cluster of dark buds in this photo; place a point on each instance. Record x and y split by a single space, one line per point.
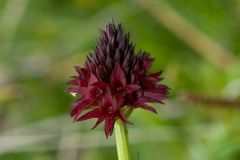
114 81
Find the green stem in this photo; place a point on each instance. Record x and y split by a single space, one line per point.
121 140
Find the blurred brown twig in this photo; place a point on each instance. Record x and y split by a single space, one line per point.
213 101
183 29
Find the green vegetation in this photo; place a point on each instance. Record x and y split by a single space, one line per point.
41 41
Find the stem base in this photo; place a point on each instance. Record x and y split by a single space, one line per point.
121 135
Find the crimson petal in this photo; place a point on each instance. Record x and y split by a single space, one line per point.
101 85
73 81
130 88
109 122
155 96
100 119
108 101
73 90
118 77
156 75
92 114
83 104
123 118
144 106
93 79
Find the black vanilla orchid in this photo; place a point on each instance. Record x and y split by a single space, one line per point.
115 79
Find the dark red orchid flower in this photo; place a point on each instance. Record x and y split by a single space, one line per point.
115 79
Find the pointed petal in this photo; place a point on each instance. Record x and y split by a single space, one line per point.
130 88
162 89
83 72
109 123
144 106
78 69
155 96
100 119
92 114
94 92
108 101
93 79
148 64
73 81
83 104
147 61
119 98
84 91
156 75
73 90
148 82
77 101
101 85
80 90
123 118
118 77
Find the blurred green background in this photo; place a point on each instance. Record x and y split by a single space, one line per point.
196 43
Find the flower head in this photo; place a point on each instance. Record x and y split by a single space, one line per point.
115 79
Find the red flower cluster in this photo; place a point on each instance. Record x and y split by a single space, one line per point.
115 79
